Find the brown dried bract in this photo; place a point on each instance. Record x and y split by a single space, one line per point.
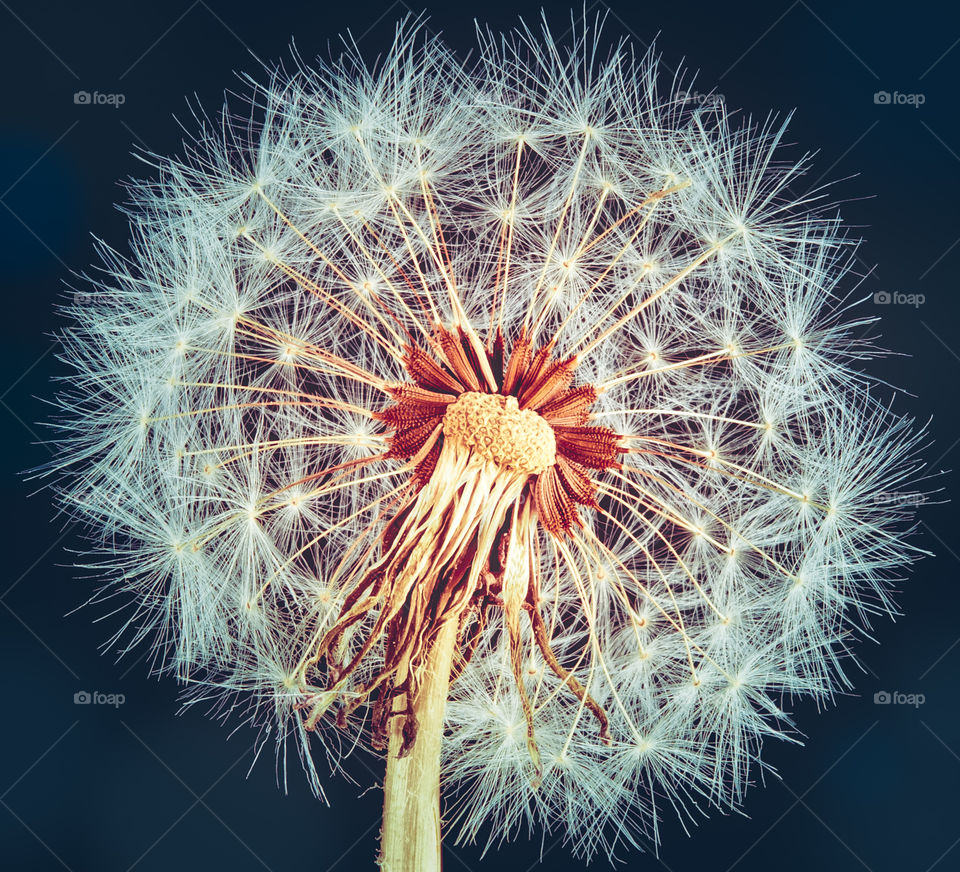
540 383
524 452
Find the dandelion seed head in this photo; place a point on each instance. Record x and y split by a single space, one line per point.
530 345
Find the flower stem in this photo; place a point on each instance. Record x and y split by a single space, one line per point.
410 838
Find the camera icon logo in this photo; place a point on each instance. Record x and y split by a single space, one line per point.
882 697
82 697
882 298
881 98
81 98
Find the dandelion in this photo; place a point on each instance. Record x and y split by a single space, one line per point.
503 417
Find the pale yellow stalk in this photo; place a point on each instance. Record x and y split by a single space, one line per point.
410 840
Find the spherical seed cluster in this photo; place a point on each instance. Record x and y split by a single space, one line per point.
727 509
497 429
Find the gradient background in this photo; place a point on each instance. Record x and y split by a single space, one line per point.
135 788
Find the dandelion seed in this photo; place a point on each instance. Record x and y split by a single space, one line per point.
502 418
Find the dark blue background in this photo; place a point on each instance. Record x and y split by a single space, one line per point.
94 788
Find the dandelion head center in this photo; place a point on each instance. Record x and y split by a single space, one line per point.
518 409
496 428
